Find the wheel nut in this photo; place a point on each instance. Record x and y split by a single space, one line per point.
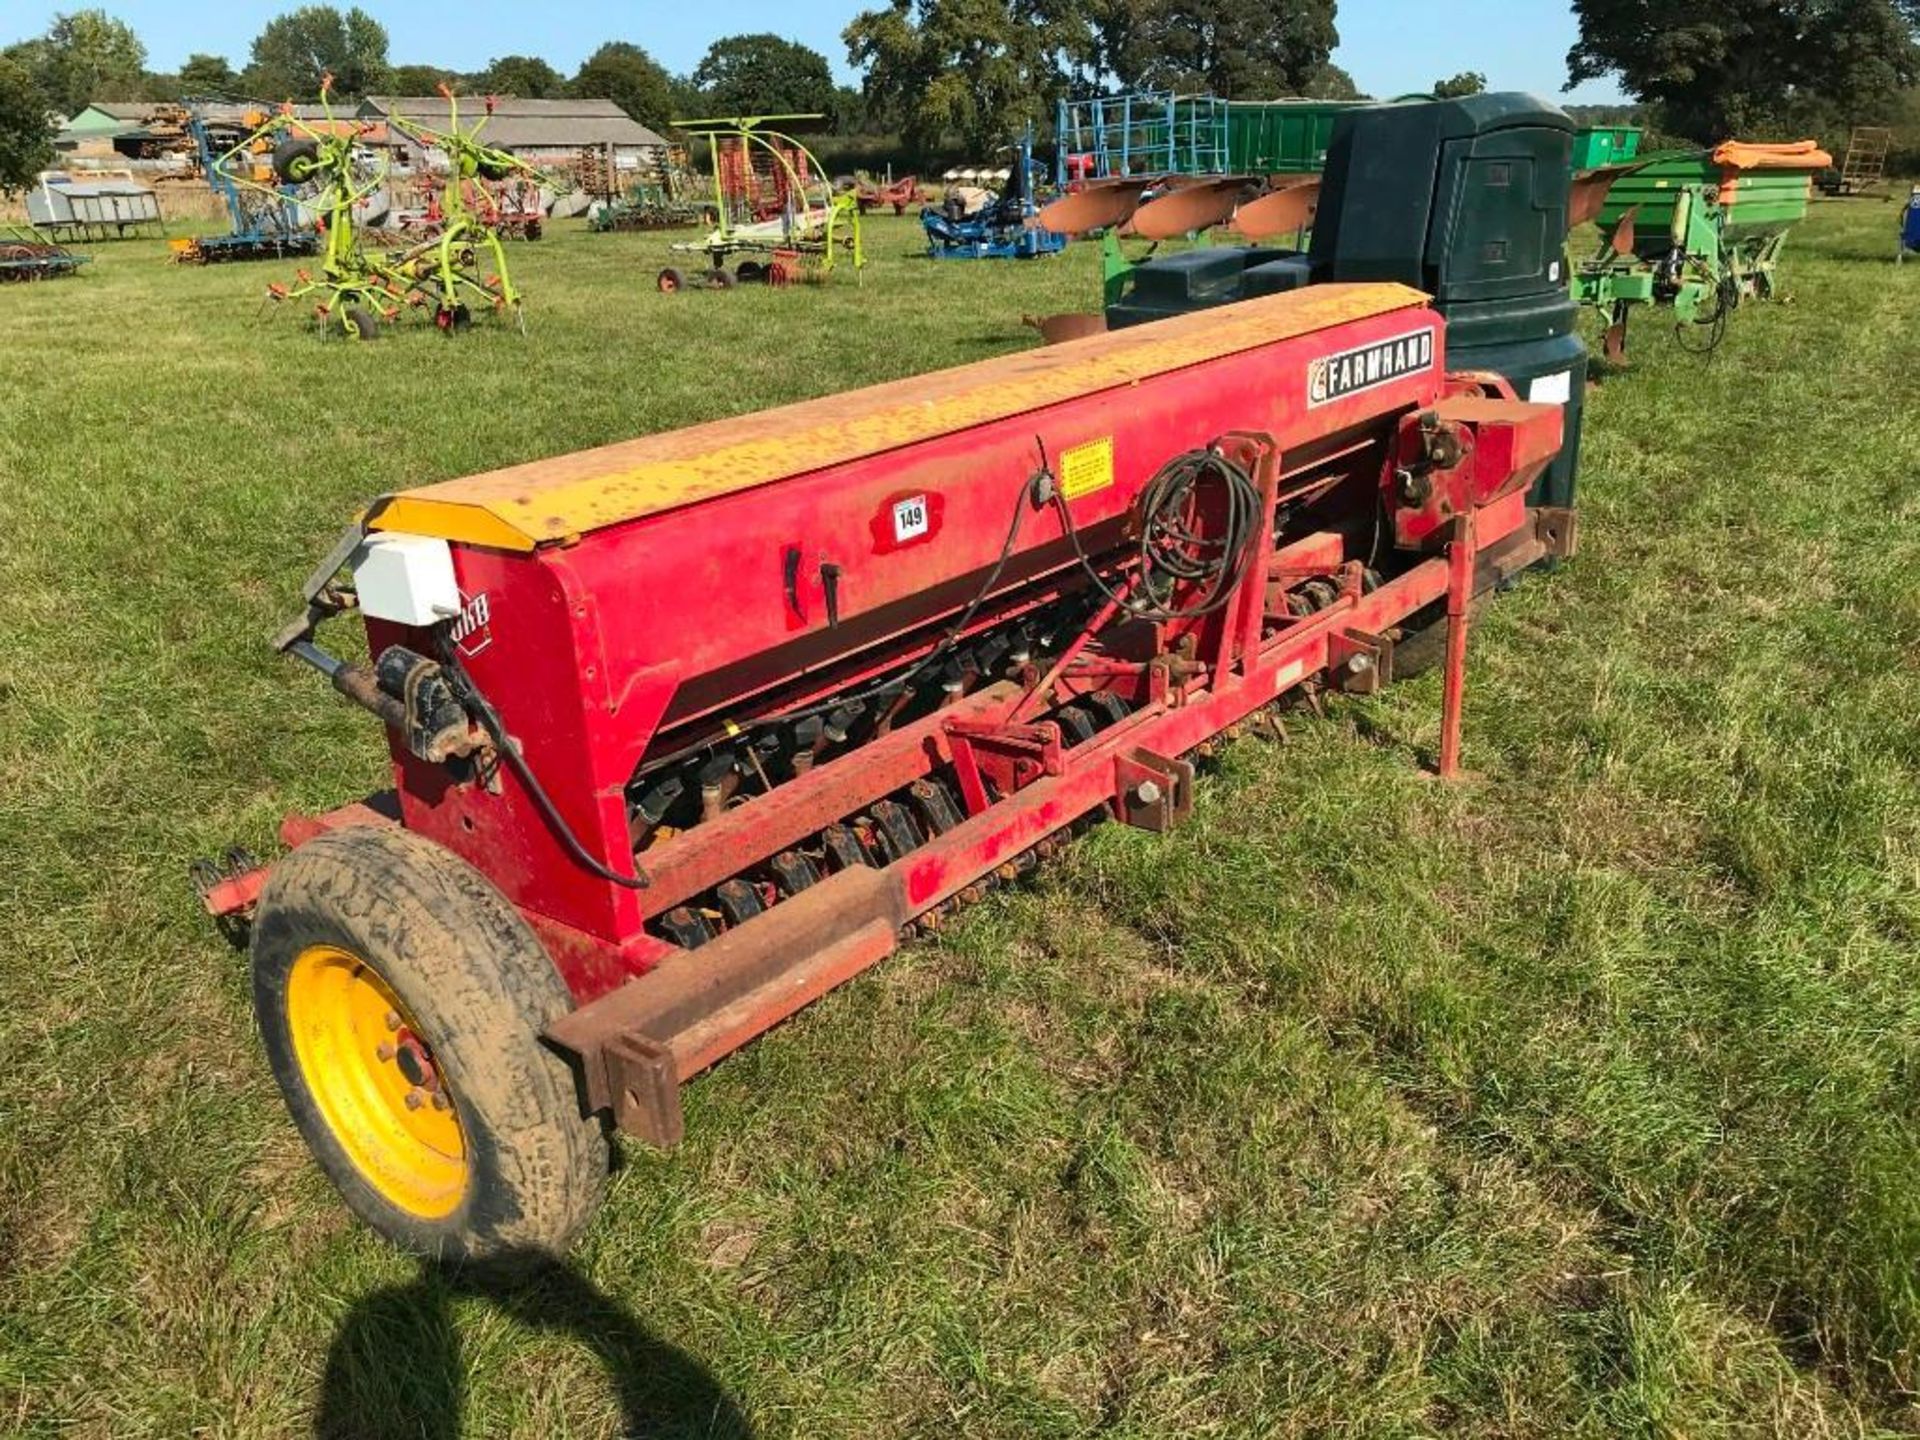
385 1051
393 1019
416 1097
440 1102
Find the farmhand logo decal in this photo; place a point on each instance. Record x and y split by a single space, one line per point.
472 628
1362 368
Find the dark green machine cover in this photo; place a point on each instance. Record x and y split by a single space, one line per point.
1465 199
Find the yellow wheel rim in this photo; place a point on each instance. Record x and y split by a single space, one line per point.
374 1079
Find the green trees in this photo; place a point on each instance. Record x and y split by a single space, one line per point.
975 69
763 75
295 50
1720 68
422 79
208 75
84 56
625 74
1330 82
1237 49
526 76
26 126
1467 82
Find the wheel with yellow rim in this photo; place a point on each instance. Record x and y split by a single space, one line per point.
401 1000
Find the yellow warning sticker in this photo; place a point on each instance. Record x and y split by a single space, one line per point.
1086 468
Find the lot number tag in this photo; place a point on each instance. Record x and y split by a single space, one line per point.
909 518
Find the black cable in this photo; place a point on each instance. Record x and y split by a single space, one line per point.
469 693
1167 544
1726 296
1172 548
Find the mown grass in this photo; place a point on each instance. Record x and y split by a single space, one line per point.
1580 1099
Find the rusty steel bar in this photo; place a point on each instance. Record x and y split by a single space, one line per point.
1460 567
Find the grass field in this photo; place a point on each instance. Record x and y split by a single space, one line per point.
1583 1099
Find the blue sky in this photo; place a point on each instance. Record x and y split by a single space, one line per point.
1389 46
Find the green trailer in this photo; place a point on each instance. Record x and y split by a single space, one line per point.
1697 231
1281 137
1601 145
1156 132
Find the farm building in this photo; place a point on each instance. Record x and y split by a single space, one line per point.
107 128
151 129
541 132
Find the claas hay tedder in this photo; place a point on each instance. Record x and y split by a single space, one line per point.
689 730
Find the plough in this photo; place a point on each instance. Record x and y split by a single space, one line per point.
689 730
26 254
871 194
1697 232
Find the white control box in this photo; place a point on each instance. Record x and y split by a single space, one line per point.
407 579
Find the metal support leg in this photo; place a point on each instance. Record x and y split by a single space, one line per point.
1460 551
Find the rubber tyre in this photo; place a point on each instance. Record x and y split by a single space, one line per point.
720 278
360 323
480 989
670 281
491 168
294 159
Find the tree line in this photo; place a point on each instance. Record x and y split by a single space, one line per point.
90 56
941 73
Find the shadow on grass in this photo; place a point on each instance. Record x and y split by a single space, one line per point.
395 1369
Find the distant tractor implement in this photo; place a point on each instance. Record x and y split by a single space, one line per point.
1863 169
1699 233
445 268
266 216
356 290
1696 232
65 207
870 194
359 288
28 254
972 223
778 217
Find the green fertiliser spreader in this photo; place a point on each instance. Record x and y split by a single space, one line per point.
1698 231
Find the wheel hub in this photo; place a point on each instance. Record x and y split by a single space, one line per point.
375 1082
416 1062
